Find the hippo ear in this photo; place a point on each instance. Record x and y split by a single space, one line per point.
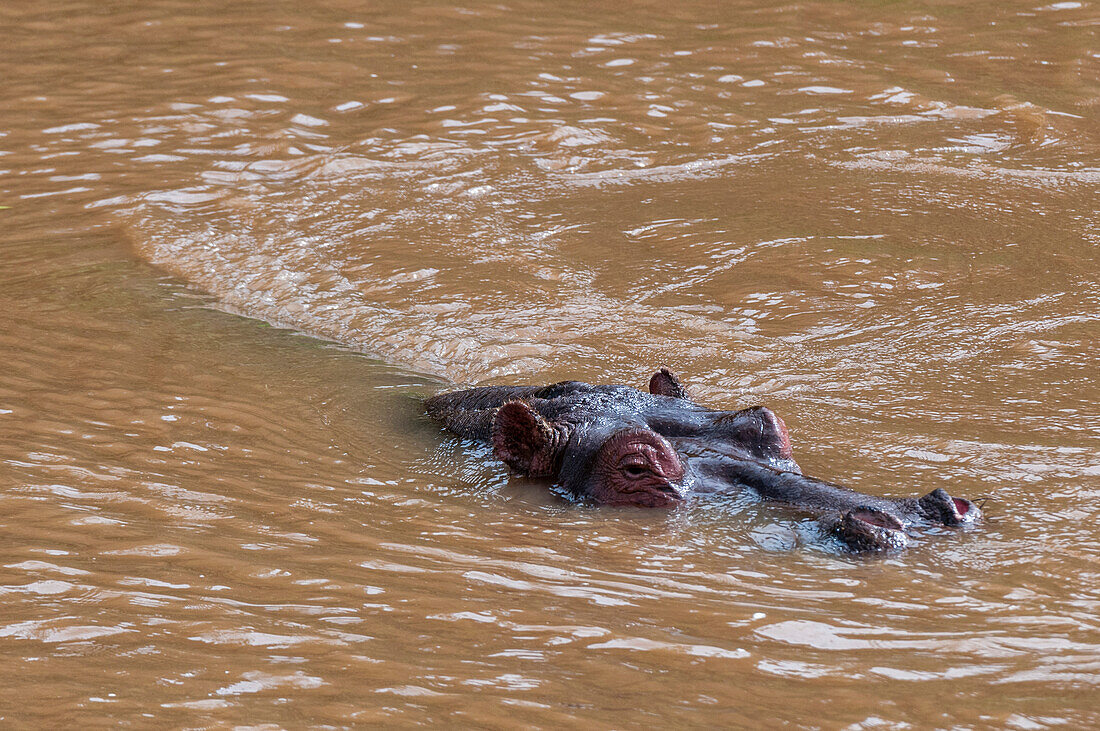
665 383
525 441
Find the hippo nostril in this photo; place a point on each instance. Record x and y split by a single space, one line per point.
867 529
877 518
942 508
968 511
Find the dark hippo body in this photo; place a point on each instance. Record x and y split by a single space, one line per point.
621 446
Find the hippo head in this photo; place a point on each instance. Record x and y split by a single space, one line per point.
645 458
616 445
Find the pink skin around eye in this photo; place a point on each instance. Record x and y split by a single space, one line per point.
636 467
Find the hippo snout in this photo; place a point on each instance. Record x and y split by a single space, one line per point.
940 507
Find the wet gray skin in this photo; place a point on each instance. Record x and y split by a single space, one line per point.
616 445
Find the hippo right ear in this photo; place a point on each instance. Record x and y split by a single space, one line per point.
525 441
665 383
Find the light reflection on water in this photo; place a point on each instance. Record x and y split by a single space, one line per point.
879 221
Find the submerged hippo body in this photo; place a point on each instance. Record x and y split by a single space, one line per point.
616 445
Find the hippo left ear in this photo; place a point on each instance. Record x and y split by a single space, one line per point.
525 441
665 383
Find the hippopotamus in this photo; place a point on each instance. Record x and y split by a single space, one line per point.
618 445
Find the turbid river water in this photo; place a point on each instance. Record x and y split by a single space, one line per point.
241 241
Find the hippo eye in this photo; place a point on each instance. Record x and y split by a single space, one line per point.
634 470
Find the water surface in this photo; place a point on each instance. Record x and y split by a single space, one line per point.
239 244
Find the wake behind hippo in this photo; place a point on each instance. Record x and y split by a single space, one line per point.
616 445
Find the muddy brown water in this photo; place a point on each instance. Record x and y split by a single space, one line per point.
240 241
